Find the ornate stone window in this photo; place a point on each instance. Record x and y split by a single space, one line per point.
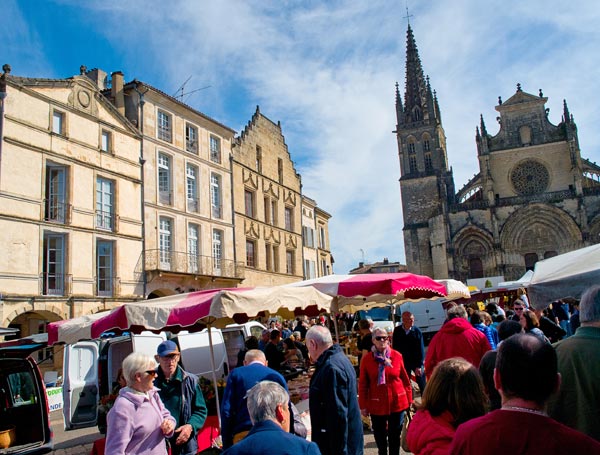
530 177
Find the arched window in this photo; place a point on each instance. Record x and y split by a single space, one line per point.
412 155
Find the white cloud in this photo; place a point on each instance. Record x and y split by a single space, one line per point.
327 72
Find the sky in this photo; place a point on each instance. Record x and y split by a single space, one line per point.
327 71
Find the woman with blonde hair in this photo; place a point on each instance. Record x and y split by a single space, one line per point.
454 395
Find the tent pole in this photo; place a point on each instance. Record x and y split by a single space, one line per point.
214 374
335 325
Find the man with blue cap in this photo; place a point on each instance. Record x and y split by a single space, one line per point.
182 396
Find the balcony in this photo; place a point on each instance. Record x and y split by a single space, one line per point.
190 264
57 212
55 284
165 197
105 220
107 286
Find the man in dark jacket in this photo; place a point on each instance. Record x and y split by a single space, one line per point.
408 341
182 396
334 410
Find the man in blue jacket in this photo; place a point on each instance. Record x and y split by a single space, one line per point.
268 407
235 419
334 412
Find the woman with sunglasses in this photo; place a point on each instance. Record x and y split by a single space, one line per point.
384 392
138 422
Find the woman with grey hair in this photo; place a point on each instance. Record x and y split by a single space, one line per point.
268 405
138 422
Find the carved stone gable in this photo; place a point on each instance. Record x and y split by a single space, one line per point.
251 229
250 178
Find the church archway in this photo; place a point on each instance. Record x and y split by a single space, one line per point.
474 253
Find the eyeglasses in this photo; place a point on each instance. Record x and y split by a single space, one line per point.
151 372
381 338
518 309
169 357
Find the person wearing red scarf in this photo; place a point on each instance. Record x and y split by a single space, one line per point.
384 392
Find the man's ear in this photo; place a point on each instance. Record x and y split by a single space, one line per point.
280 414
497 380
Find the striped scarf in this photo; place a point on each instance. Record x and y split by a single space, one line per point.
384 360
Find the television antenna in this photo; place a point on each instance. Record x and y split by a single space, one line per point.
180 93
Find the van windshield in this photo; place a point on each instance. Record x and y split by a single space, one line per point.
379 314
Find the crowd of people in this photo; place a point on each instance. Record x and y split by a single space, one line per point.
510 379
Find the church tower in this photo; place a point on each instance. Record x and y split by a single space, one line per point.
426 183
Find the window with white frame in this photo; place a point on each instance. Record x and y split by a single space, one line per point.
165 246
250 253
309 269
215 149
56 193
308 235
53 271
289 218
193 248
217 251
289 262
191 187
164 179
106 141
164 126
215 196
191 138
58 122
104 268
104 204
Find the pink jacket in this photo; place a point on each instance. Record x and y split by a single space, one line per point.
429 435
457 338
393 396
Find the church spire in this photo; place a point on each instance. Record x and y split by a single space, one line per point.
484 132
415 97
566 115
399 108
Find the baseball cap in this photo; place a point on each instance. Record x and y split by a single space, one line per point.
167 347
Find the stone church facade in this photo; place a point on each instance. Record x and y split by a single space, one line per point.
534 197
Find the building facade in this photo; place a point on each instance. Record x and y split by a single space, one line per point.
267 205
70 208
534 197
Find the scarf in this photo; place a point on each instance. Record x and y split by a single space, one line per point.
384 360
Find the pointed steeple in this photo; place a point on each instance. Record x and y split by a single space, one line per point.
415 97
566 115
436 106
483 128
399 108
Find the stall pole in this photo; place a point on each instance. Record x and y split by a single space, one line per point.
214 373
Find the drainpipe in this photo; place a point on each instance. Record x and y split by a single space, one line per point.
233 207
3 94
141 103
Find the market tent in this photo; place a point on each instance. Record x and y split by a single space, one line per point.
516 284
566 275
193 311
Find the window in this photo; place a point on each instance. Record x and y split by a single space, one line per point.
289 218
217 250
289 262
324 270
58 122
191 138
275 258
104 204
411 147
322 238
193 249
164 242
164 178
267 207
250 253
308 236
274 212
412 162
191 187
56 194
105 141
53 273
280 169
249 203
258 159
269 257
428 162
104 268
426 145
309 269
215 196
164 126
215 149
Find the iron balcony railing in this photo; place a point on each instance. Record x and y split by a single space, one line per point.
179 262
105 220
107 286
57 284
57 211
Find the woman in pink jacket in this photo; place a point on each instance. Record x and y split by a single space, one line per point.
453 395
138 423
384 392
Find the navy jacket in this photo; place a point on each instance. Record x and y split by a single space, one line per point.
267 437
411 347
234 412
334 412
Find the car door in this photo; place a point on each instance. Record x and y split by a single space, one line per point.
80 384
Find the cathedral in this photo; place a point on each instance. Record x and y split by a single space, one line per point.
534 196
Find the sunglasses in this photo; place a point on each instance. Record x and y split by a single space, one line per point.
151 372
518 309
381 338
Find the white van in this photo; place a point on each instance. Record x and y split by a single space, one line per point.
429 315
90 367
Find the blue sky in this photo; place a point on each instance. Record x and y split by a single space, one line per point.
327 71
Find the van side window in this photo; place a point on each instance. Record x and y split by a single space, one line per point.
21 389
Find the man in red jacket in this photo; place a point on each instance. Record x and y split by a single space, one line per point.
457 338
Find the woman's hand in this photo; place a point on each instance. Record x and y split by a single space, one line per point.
167 426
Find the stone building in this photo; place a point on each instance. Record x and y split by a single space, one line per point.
534 197
187 193
70 208
315 240
267 204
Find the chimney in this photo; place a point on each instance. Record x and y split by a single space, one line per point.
98 76
117 92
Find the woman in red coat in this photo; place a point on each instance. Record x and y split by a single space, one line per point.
384 392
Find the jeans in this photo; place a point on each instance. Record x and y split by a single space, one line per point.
386 430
